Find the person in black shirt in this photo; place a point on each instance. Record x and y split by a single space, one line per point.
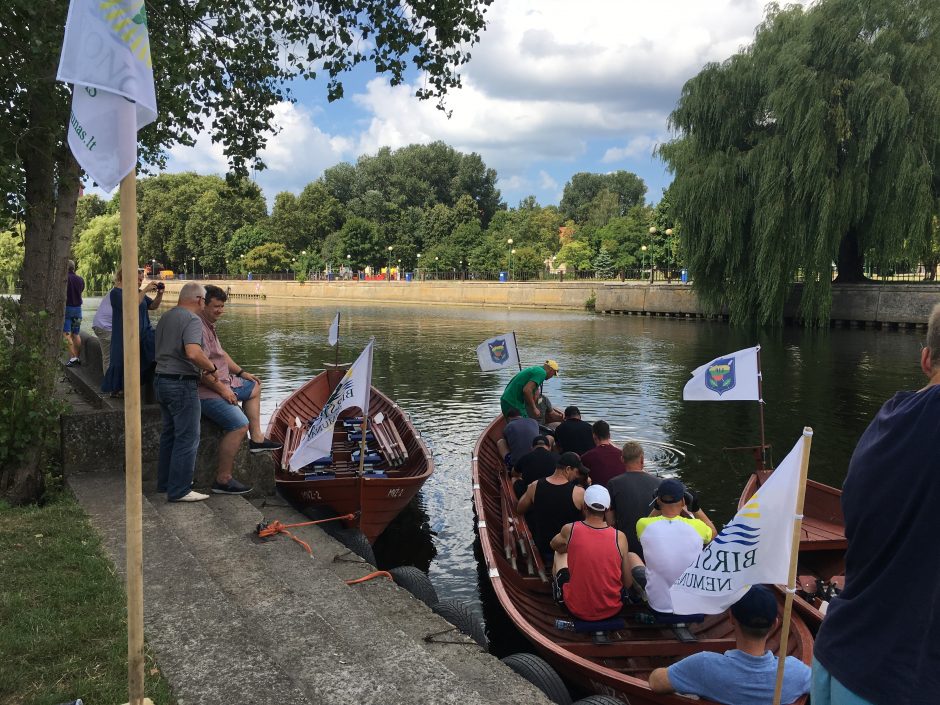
574 435
537 463
555 501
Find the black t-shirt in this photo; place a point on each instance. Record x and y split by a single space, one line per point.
534 465
574 436
630 497
880 634
552 509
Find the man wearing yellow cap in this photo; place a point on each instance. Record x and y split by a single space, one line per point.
520 392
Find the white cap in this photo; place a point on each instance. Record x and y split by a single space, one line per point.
597 497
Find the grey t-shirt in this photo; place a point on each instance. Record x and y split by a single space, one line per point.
630 497
519 433
177 327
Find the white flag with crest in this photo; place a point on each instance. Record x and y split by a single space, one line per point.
731 377
106 56
334 331
754 548
498 352
353 391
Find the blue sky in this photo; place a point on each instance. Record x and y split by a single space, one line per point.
554 87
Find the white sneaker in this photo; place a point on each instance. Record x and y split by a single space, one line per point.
193 496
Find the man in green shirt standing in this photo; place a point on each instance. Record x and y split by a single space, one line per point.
520 392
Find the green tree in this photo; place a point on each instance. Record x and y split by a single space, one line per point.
219 65
98 251
11 258
817 143
604 264
584 187
267 258
246 238
576 255
88 207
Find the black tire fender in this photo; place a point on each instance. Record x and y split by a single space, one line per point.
462 617
415 581
537 671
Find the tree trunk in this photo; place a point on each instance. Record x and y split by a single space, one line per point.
52 186
850 262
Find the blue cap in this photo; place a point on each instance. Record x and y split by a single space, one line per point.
757 609
670 491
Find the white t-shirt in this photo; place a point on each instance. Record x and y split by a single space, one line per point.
103 314
669 547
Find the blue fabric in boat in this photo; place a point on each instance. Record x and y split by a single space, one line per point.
371 458
320 475
605 625
356 436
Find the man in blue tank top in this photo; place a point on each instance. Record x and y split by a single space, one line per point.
880 640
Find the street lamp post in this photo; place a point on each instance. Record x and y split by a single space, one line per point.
349 264
436 260
194 267
418 267
388 271
509 242
643 249
461 269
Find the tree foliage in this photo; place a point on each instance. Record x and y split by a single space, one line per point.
583 197
818 143
98 251
11 258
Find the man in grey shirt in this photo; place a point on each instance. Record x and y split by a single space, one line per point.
180 362
630 495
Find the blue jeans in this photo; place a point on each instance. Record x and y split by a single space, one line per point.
179 406
229 416
828 691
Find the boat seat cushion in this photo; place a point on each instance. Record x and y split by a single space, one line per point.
356 436
371 458
320 475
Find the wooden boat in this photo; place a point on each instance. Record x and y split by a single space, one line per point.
619 667
821 561
402 461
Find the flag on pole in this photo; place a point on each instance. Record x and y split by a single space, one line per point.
754 548
732 377
352 391
498 353
106 56
334 330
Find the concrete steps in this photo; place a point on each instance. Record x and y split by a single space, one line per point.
232 618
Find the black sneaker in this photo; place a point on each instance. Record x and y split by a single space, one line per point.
264 446
233 486
73 362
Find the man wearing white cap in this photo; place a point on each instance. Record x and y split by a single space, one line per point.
592 566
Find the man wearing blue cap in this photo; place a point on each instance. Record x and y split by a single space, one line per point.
746 675
672 536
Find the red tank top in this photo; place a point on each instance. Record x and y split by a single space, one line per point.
595 564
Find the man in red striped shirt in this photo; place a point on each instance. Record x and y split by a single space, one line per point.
592 564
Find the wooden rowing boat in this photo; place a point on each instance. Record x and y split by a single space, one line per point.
402 459
821 561
619 668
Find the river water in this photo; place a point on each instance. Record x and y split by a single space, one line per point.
627 370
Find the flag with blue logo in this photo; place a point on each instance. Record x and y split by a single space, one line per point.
732 377
754 548
106 58
498 353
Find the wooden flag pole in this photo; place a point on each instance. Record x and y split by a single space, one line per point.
760 405
794 555
132 453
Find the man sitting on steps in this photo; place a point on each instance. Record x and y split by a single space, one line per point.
219 397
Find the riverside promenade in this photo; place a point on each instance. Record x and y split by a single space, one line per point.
885 304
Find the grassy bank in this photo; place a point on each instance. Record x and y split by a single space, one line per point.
63 631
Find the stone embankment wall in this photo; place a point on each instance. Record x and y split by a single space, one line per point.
872 304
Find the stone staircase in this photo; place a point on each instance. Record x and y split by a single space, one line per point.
232 618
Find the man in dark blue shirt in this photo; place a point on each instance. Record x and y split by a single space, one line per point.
880 640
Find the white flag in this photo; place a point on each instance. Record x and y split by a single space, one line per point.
754 548
334 330
106 56
353 390
497 353
729 378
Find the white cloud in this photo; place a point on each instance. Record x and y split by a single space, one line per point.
640 146
546 182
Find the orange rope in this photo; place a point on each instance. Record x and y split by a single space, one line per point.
370 576
266 530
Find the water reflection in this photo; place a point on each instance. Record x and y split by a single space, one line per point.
627 370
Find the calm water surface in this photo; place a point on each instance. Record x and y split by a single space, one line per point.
627 370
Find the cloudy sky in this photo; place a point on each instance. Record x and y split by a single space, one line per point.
554 87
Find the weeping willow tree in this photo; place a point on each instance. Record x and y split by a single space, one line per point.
818 143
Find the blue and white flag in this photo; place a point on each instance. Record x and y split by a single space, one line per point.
106 56
353 391
754 548
498 352
731 377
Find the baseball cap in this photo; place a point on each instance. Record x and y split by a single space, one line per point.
757 609
553 365
670 491
597 497
540 441
570 459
